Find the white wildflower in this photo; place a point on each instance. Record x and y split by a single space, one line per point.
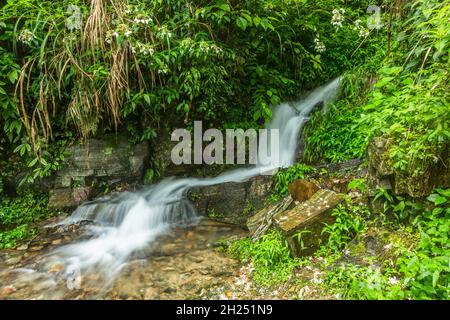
319 46
338 18
363 32
143 20
26 36
164 33
393 280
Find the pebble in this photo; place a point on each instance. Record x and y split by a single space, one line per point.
36 248
22 247
8 290
13 261
56 242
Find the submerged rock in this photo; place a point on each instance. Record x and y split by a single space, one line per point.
306 221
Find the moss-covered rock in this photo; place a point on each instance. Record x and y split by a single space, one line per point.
415 183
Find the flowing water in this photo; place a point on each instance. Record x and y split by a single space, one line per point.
125 225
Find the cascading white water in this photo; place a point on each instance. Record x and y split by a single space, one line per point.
128 222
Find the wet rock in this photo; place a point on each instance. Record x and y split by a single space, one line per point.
107 161
56 242
36 248
232 202
22 247
13 261
301 189
308 219
68 197
56 268
261 221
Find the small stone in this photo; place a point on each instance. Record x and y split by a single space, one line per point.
56 268
190 235
13 261
56 242
8 290
36 248
151 293
22 247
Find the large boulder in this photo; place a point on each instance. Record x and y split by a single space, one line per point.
306 221
232 202
98 163
383 175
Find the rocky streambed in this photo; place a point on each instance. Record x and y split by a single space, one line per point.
183 264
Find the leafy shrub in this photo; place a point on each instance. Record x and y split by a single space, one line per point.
426 269
349 222
269 256
18 215
421 270
140 65
333 136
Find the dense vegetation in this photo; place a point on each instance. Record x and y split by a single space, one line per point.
407 101
79 69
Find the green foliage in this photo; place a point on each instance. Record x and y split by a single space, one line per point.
332 136
285 176
410 102
10 238
426 269
358 184
139 65
349 222
18 215
269 256
420 270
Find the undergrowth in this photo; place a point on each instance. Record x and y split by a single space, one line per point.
18 217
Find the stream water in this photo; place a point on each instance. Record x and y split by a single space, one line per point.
127 239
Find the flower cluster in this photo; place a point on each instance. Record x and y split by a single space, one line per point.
164 33
338 18
144 49
206 47
363 32
130 9
319 46
142 20
393 281
26 36
163 70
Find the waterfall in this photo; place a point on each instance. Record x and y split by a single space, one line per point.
129 221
